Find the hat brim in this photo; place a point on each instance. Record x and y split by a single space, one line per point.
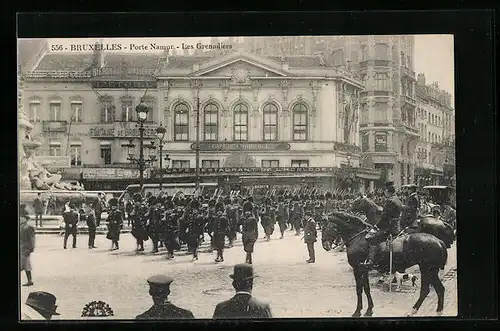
41 308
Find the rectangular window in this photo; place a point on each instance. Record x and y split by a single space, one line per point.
76 111
55 110
380 142
127 111
55 150
241 123
107 113
210 163
76 154
270 164
180 164
365 142
33 110
300 163
106 153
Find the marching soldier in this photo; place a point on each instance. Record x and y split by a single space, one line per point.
310 236
297 214
221 227
170 233
139 222
282 216
70 217
267 217
388 224
194 229
154 222
232 215
159 289
329 203
115 224
412 205
250 231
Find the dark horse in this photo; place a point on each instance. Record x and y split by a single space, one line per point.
422 249
426 224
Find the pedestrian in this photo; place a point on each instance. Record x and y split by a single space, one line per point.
310 235
26 244
98 209
70 217
159 289
243 304
115 224
92 226
39 306
195 229
38 206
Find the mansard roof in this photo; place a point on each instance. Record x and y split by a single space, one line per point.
65 62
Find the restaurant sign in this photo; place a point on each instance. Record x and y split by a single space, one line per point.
53 161
251 170
120 132
110 173
241 146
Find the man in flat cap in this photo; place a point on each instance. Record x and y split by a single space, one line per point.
159 289
39 306
243 304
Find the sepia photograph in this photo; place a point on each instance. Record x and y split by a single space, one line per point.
247 177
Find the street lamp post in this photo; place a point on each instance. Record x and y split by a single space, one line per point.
160 134
142 114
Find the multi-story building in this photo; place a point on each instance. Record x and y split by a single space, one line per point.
388 127
262 119
436 147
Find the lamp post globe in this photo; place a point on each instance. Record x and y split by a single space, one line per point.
142 111
160 132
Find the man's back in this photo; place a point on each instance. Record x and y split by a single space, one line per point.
167 311
242 305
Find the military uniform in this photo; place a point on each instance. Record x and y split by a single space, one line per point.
70 218
232 215
412 206
159 289
92 227
267 218
194 229
389 222
154 229
282 216
250 231
115 224
170 231
297 213
220 228
310 236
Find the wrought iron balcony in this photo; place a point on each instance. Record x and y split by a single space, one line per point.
55 126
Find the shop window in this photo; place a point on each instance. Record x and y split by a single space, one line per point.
106 153
270 164
300 163
210 164
180 164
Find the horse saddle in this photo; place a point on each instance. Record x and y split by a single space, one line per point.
397 244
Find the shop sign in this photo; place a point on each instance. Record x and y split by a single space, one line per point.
241 146
119 132
54 162
252 170
110 173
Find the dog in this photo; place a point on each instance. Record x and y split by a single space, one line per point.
399 278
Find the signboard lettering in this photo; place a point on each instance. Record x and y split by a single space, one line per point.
110 173
123 84
54 161
243 146
109 132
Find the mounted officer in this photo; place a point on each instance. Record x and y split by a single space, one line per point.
249 231
389 223
220 230
412 207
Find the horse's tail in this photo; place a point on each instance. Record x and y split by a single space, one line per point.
444 254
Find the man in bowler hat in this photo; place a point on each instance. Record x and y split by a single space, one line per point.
243 304
159 289
39 306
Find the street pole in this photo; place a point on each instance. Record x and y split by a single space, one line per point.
141 155
161 165
197 170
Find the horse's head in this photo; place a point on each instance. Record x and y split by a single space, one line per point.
329 234
365 206
348 224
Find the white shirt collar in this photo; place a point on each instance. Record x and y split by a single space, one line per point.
243 292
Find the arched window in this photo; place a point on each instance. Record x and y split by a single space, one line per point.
240 122
181 122
300 122
270 112
210 122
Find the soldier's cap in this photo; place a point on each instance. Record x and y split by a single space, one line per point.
243 271
160 281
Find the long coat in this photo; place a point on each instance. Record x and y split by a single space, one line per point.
115 224
242 305
310 231
389 221
26 245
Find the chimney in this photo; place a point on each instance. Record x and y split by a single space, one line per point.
421 79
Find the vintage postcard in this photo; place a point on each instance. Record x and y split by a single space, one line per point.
237 177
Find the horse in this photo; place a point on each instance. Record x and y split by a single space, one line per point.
422 249
426 224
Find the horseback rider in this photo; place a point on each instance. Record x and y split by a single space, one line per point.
389 223
412 207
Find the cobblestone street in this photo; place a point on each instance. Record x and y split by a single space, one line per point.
292 287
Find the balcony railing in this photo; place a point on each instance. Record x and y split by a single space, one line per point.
57 74
55 126
409 100
120 130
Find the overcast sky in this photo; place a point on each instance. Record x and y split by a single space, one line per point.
433 53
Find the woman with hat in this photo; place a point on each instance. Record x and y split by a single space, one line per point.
26 243
115 224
